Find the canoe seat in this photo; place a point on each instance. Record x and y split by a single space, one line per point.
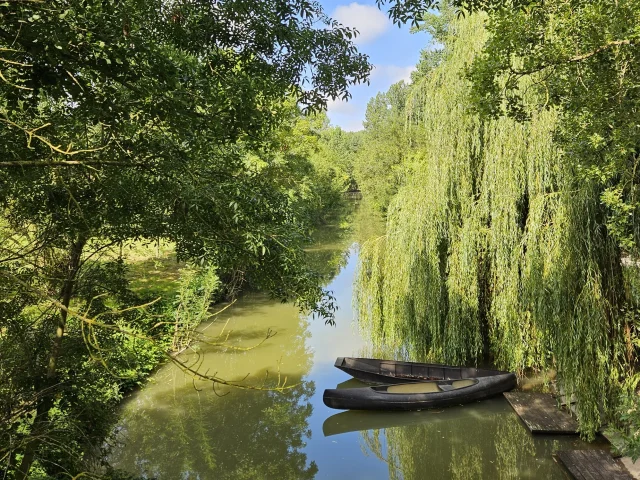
422 387
466 382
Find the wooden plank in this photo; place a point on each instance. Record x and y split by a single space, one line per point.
592 465
540 413
613 438
633 467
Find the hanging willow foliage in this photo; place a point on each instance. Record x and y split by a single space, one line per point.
495 247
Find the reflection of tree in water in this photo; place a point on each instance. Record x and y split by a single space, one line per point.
511 450
171 431
247 434
330 252
471 444
466 463
366 222
328 260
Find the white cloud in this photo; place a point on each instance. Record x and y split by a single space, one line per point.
346 114
391 73
352 124
367 19
340 107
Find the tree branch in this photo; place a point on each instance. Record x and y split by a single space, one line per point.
65 163
606 46
575 59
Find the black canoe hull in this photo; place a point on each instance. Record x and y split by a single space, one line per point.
376 398
390 371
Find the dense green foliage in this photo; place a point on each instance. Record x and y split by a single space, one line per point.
585 58
508 170
393 121
137 120
498 244
313 163
99 361
337 156
377 166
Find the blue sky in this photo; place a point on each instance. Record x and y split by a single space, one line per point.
393 51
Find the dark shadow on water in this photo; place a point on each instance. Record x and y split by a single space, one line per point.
357 421
231 337
247 304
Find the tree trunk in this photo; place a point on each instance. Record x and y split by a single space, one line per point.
45 403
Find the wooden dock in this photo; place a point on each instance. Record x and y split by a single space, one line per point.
540 413
593 465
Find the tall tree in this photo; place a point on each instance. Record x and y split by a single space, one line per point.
131 119
498 245
576 59
583 57
378 168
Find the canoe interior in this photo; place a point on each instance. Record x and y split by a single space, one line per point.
428 387
391 371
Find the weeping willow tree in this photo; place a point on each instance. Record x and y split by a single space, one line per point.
496 246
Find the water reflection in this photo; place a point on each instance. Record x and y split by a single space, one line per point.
357 421
330 252
178 428
181 429
256 435
483 440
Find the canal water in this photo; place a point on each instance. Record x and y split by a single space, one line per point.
180 428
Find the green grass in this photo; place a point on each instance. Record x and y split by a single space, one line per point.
153 268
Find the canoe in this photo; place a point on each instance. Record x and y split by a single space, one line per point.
371 370
414 386
419 395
